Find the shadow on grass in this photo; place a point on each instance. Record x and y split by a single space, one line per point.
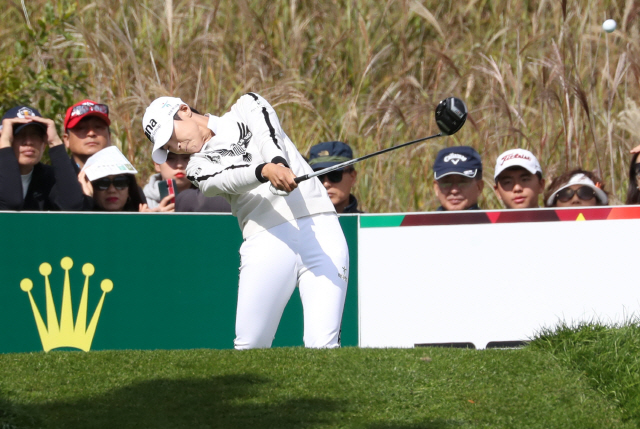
432 424
232 401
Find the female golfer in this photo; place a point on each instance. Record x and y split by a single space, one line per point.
291 232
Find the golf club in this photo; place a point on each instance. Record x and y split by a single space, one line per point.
451 114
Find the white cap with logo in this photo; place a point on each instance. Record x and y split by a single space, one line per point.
517 158
157 124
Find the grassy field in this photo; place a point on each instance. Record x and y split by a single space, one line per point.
540 75
584 377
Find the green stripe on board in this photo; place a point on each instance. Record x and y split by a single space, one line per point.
380 221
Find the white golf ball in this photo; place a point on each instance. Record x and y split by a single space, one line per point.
609 25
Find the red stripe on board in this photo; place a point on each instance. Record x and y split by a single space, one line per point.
515 216
631 212
588 213
534 215
444 218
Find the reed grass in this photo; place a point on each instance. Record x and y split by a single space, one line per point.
538 75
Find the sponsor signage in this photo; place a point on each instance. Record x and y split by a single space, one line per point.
480 278
79 281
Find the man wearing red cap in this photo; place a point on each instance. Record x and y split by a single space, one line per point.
86 130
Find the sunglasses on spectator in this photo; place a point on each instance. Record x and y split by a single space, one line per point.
584 193
86 108
119 182
333 176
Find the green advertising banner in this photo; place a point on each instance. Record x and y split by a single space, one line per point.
133 281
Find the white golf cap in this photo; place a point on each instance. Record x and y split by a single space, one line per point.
157 124
580 179
107 162
517 158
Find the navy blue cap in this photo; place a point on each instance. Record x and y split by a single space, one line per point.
328 154
462 160
23 112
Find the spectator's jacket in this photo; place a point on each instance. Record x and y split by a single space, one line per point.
52 187
352 207
192 200
152 192
189 200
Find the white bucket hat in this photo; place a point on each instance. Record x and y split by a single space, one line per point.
106 162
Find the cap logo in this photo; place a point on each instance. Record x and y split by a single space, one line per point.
323 153
151 130
514 156
468 172
25 112
455 158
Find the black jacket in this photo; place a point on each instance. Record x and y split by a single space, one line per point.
192 200
353 205
52 187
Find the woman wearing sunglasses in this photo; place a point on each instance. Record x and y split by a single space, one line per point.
109 178
118 193
576 188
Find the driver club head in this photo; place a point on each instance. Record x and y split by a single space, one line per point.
451 113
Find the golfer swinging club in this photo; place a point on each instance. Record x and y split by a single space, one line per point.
291 231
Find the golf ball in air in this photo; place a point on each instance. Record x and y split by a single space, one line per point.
609 25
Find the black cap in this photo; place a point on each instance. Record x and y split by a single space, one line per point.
462 160
328 154
23 112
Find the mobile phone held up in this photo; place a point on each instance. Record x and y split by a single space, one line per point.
167 187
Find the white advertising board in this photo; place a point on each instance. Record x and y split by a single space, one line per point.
493 276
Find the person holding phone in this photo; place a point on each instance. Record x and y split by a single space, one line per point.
169 190
291 232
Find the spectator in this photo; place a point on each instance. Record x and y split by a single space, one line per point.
188 198
633 191
108 177
338 183
26 183
86 130
518 178
576 188
458 178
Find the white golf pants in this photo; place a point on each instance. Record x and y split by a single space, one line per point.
311 253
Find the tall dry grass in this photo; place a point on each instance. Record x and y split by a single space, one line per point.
539 75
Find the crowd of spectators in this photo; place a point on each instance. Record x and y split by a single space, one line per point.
84 179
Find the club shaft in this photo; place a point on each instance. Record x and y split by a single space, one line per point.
353 161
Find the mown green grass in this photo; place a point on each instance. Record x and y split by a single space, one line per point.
300 388
607 355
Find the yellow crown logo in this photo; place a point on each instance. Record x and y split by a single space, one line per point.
65 334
